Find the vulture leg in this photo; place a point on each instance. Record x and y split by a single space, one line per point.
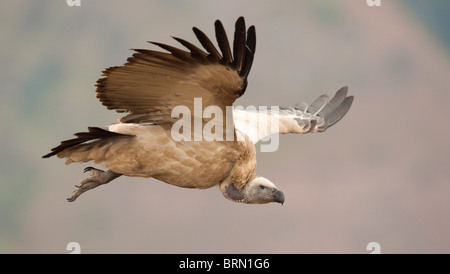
97 177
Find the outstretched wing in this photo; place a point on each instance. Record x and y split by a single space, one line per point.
303 118
151 83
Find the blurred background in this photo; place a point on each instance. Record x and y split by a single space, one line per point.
382 174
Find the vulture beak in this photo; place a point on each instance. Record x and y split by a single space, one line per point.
278 196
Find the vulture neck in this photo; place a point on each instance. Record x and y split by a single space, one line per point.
234 186
232 192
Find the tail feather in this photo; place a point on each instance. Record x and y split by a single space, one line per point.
93 134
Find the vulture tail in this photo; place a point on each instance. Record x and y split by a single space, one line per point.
93 137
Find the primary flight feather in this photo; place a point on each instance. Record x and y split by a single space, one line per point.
152 84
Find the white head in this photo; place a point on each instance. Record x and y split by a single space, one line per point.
257 191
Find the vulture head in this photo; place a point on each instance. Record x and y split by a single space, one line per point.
257 191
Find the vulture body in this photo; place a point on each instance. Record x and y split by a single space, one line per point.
152 84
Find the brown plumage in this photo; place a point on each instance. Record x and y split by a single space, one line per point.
151 84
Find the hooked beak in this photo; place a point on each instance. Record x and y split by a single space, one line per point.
278 196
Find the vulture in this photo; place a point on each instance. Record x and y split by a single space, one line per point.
180 126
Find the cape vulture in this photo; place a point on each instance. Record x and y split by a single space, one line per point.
151 84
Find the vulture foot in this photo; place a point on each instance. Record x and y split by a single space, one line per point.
97 177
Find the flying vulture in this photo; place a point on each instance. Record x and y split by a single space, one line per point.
149 141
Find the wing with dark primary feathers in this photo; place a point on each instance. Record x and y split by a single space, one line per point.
151 83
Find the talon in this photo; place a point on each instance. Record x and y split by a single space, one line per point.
98 177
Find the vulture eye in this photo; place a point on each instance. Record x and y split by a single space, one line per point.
262 187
